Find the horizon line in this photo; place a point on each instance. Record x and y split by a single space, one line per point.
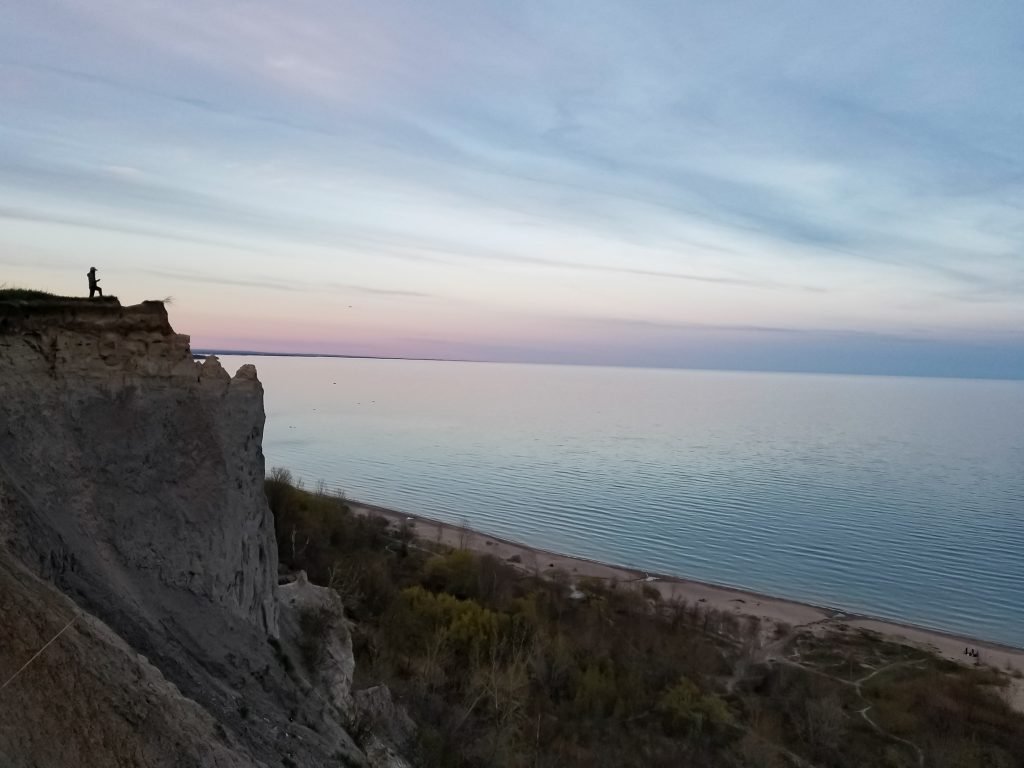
339 356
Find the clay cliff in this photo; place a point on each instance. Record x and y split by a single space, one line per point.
132 506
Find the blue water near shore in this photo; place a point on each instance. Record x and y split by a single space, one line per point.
894 497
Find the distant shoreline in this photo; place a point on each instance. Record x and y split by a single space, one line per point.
202 353
741 602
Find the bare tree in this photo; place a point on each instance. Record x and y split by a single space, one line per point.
346 581
297 551
437 650
281 475
824 723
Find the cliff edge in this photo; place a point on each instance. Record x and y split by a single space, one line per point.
132 506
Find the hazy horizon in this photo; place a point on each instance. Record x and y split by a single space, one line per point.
225 352
676 185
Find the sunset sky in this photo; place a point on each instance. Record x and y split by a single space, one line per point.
777 186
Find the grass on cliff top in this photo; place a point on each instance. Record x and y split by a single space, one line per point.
26 294
32 296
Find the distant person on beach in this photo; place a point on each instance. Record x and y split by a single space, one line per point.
94 283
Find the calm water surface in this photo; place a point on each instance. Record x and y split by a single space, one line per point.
900 498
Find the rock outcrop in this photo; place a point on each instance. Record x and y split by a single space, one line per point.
315 617
131 496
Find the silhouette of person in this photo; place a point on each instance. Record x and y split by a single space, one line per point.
94 283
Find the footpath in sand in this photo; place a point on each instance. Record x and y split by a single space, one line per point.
771 611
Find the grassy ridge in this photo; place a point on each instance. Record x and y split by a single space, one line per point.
27 294
32 296
499 667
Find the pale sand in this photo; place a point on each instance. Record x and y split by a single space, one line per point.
772 611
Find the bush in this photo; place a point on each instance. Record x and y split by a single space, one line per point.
685 710
468 627
455 573
316 625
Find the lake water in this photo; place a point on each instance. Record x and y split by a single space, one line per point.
899 498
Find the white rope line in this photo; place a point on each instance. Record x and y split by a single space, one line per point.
37 653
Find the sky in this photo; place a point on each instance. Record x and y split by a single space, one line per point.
796 185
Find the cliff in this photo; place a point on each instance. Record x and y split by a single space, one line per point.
131 497
143 470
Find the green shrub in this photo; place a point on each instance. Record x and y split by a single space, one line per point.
685 710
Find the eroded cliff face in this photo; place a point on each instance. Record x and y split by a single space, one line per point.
131 497
92 700
148 465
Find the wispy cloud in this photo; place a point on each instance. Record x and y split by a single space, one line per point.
275 284
120 191
696 164
43 217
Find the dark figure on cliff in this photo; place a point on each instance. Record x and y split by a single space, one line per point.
94 283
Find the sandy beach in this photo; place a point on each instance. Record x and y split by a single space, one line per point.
772 611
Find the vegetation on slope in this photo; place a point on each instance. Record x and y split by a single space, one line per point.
501 667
